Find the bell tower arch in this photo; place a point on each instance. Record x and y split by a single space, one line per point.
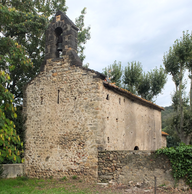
61 40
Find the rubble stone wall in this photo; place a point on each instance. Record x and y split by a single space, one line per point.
62 106
135 168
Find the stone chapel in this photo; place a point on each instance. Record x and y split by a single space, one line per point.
72 112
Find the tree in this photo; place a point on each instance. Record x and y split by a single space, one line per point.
132 74
147 85
9 140
176 61
114 73
14 62
30 32
83 34
23 24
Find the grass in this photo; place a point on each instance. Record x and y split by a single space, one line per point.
25 185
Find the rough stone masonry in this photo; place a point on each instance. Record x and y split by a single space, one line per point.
72 113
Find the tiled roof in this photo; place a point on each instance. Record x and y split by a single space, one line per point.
163 133
131 96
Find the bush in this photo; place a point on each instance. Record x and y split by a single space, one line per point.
181 160
74 177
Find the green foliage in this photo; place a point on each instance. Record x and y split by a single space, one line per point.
74 177
177 61
51 177
83 34
169 111
64 178
132 75
1 171
10 144
23 178
167 118
181 160
20 45
114 73
147 85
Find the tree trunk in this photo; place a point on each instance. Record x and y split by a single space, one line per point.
180 99
185 138
191 92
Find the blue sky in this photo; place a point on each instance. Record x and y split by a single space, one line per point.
133 30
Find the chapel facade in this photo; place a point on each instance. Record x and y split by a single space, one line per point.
72 112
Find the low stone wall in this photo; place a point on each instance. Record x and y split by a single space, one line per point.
135 168
13 170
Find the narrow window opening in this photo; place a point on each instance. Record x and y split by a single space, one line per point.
136 148
108 139
107 118
107 98
116 119
124 99
75 98
58 33
41 100
58 97
119 100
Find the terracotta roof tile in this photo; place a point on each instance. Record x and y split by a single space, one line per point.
163 133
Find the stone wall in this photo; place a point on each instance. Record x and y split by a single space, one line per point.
164 141
63 128
13 170
135 168
127 123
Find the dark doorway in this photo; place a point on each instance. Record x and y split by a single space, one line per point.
136 148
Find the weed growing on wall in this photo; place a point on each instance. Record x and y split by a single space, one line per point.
181 160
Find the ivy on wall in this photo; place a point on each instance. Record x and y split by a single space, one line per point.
181 160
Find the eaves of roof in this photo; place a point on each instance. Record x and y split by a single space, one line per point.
131 96
164 134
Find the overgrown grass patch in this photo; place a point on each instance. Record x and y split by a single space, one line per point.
39 186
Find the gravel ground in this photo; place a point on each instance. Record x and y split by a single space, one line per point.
105 188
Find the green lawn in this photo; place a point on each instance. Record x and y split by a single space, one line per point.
24 185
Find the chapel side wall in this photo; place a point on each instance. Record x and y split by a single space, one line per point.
113 114
62 105
129 124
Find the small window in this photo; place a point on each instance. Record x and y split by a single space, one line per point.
119 100
41 100
108 139
107 98
58 97
116 119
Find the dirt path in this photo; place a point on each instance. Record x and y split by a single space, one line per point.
121 189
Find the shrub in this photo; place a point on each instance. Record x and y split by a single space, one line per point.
74 177
181 160
64 178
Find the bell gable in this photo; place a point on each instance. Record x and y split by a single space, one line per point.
61 39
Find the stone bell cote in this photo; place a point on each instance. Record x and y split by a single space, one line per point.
61 39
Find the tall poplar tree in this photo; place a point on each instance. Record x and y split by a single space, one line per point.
176 62
147 85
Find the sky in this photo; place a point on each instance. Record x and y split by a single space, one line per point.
133 30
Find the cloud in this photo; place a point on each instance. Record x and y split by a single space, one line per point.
133 30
